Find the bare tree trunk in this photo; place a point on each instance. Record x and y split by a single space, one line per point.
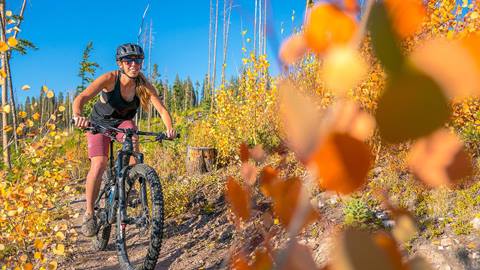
255 29
212 105
260 28
165 93
210 22
9 75
149 114
22 10
224 38
6 151
149 121
70 111
12 101
265 28
226 32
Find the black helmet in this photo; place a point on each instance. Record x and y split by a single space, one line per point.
129 49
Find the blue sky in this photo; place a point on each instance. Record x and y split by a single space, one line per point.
62 28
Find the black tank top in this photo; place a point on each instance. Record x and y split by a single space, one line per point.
116 109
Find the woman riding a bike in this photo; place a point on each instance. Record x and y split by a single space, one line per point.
122 92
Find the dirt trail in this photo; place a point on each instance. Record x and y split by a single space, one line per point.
195 241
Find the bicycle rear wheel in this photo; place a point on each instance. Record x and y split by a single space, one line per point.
139 237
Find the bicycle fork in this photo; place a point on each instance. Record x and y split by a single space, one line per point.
122 200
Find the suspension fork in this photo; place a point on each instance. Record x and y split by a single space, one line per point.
122 173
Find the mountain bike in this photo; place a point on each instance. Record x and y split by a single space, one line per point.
131 198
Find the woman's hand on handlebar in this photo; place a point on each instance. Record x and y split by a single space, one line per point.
81 121
171 134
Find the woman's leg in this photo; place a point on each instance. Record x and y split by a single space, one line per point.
97 152
94 179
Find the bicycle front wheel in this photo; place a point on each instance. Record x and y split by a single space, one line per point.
139 235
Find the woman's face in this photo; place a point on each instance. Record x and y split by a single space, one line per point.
131 65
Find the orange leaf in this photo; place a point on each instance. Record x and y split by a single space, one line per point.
249 173
405 227
263 260
244 154
285 196
350 5
300 258
388 244
301 136
257 153
456 71
407 15
440 159
327 25
357 249
342 163
239 199
293 49
268 177
472 43
239 262
347 117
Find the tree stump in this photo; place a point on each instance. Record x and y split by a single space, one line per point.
200 159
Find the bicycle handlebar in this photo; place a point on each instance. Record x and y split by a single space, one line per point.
97 128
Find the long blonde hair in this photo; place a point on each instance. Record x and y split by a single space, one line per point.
142 91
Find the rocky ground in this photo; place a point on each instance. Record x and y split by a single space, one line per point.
203 239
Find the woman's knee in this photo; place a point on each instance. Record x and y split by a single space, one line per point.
98 163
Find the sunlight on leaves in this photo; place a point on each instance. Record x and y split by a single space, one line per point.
343 68
327 25
12 42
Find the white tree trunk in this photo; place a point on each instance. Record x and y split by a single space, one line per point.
6 151
210 22
214 57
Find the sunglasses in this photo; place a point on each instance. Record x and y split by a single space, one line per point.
131 60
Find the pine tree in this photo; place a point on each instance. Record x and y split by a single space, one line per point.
86 73
196 92
205 92
87 68
178 94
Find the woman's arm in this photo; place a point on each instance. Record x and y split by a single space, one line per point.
164 114
91 91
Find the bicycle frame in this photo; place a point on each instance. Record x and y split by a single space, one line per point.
119 168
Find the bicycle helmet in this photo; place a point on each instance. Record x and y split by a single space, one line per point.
129 49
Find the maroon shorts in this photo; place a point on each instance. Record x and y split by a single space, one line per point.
98 144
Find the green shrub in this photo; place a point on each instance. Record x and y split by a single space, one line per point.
358 214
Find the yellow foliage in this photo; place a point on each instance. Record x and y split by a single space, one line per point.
245 113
